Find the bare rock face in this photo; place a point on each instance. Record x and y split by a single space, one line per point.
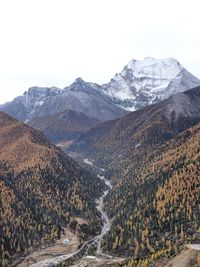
79 96
25 107
184 105
84 97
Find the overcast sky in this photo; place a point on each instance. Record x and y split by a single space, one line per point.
51 42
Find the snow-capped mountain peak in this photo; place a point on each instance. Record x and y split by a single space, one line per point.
154 68
26 106
143 82
36 96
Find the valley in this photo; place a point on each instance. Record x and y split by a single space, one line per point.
53 250
42 192
55 254
80 257
103 175
160 176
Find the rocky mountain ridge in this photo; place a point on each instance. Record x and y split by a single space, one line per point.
80 96
140 84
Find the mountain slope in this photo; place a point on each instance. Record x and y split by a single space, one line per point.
83 97
42 190
79 96
148 81
26 106
66 125
155 205
146 127
152 156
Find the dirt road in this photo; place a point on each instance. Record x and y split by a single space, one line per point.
185 259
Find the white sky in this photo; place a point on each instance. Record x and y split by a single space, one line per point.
52 42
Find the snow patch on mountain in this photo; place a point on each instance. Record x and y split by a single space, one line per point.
27 106
80 96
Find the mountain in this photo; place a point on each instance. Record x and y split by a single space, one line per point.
152 157
42 191
83 97
79 96
140 84
155 205
29 104
63 126
148 81
149 126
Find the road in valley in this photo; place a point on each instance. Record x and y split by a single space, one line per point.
186 257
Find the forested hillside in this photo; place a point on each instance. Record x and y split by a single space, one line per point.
153 158
113 143
63 126
156 205
41 191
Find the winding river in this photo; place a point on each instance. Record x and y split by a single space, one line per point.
105 218
95 240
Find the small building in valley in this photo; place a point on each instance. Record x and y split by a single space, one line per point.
66 241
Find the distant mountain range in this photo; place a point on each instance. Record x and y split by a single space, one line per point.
80 97
141 83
